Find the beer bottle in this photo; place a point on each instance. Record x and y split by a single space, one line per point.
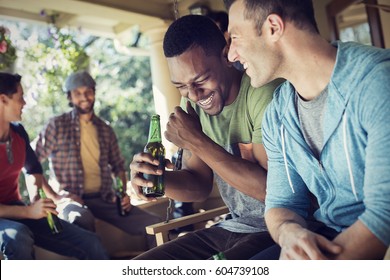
219 256
53 221
119 194
157 150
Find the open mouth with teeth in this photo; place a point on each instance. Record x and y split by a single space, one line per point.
207 101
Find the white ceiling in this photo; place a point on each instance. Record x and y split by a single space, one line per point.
116 18
103 17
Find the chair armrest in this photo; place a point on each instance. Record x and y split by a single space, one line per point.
387 256
161 229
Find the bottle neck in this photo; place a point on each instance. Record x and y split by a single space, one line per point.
119 186
41 193
154 131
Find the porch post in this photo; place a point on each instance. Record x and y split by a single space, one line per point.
166 96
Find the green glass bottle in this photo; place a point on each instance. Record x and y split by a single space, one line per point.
53 221
157 150
219 256
119 194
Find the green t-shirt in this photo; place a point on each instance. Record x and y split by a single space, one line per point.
239 123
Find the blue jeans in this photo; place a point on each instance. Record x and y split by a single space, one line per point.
18 237
16 240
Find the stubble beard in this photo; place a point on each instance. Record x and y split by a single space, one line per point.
82 111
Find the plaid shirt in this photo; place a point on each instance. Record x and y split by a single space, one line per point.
59 141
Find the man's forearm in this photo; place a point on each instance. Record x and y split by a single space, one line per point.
279 220
244 175
187 186
359 242
13 212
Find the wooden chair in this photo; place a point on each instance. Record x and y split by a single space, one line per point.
207 210
387 256
161 230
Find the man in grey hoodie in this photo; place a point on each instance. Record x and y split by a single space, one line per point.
326 132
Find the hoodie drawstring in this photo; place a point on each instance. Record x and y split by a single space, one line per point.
285 158
347 156
345 150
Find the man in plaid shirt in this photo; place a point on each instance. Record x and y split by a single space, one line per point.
83 153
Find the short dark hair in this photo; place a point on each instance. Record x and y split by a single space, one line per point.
299 12
221 18
191 31
9 83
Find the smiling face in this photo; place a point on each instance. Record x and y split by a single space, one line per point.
83 99
201 78
255 52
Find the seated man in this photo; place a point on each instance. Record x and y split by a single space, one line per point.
221 137
84 155
326 132
21 225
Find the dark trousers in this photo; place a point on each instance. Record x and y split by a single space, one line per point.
273 252
84 216
203 244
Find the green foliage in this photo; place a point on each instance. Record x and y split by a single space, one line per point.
124 85
124 96
7 50
53 58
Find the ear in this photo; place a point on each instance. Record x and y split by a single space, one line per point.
3 98
224 55
68 95
274 27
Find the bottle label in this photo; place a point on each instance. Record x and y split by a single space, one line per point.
155 135
158 188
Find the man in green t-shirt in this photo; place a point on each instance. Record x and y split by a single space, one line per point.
219 127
